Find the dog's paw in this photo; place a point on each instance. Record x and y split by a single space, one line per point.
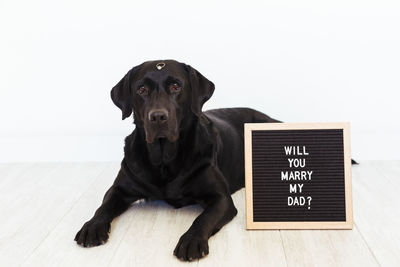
191 247
93 233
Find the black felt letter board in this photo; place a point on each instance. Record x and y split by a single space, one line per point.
298 177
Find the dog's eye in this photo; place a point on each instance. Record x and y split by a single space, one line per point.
174 88
142 90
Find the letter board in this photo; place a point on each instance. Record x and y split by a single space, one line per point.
298 176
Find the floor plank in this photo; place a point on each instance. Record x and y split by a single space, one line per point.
326 248
10 172
46 204
67 252
376 212
152 235
36 202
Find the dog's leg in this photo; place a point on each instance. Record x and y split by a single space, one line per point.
219 210
116 200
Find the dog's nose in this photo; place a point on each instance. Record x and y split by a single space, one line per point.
158 116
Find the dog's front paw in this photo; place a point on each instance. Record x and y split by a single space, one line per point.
191 247
93 233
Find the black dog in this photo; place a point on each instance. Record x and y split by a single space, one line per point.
177 153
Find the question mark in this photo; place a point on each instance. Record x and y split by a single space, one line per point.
309 201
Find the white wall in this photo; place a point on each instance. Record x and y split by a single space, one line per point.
298 61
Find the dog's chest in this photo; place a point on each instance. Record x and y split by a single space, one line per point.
174 194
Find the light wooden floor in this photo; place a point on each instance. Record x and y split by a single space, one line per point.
43 206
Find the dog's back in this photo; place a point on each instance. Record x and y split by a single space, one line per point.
229 123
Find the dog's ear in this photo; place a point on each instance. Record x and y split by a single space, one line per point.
121 94
202 89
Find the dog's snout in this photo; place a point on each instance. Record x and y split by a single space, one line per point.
158 116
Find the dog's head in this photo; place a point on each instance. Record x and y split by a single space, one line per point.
162 95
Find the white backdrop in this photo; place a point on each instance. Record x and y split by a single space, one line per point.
298 61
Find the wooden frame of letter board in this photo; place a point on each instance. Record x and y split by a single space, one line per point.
250 224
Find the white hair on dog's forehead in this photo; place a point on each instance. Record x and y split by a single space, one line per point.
160 65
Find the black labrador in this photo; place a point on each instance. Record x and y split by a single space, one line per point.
176 153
